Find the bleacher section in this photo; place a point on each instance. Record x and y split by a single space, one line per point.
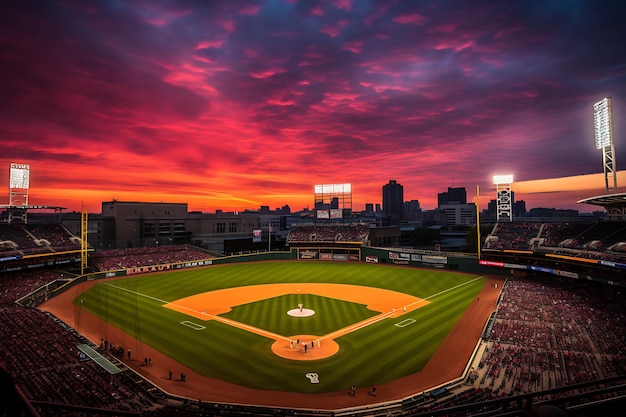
27 239
604 240
109 260
356 233
517 236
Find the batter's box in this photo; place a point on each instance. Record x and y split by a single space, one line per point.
194 326
405 323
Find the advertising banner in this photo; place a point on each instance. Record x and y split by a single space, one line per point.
433 259
491 263
336 213
323 214
308 254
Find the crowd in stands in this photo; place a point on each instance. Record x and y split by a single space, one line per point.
109 260
560 234
328 233
605 241
56 236
548 332
41 355
509 235
17 285
551 333
21 239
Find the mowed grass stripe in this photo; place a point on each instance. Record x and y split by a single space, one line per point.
377 353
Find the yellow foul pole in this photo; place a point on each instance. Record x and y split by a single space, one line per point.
478 220
83 239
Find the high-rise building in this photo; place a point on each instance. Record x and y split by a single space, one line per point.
412 210
519 208
393 201
452 196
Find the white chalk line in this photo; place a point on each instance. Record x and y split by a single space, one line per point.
224 320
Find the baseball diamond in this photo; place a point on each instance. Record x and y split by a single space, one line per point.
252 352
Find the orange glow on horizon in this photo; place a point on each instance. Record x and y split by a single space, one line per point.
536 193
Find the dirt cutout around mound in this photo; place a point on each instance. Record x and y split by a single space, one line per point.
447 363
209 306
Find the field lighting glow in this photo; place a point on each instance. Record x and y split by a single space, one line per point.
19 176
333 188
503 179
602 122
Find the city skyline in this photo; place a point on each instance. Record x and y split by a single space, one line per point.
236 105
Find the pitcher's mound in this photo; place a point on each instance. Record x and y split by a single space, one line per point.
305 312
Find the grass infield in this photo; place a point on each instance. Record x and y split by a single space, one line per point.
378 353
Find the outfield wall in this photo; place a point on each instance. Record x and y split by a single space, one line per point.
427 259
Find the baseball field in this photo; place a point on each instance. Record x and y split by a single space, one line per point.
292 327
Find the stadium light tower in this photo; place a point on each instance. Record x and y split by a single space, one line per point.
503 190
19 182
603 131
333 202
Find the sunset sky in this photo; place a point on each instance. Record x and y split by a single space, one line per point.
236 104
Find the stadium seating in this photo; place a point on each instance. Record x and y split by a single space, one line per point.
115 259
356 233
606 241
35 239
548 332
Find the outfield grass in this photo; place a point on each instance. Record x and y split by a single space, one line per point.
379 353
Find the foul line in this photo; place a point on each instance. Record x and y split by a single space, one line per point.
224 320
376 319
453 288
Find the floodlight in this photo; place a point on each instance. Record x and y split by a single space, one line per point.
503 179
333 188
19 176
602 123
334 197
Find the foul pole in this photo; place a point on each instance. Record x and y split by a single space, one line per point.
478 220
84 245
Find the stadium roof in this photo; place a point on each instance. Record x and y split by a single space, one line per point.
607 200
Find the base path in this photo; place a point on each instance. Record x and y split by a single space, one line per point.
209 306
447 363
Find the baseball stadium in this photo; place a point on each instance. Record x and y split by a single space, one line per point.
330 325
